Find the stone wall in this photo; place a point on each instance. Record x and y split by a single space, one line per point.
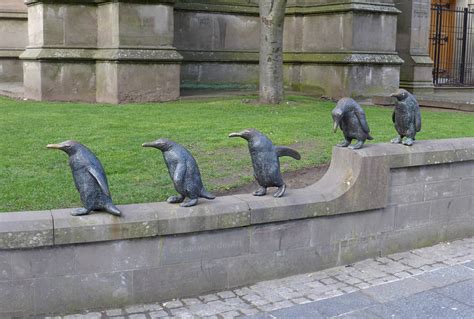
13 39
372 202
336 48
88 50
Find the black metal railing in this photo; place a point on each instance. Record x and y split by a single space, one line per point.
452 45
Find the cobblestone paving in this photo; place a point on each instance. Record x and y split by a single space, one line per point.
268 296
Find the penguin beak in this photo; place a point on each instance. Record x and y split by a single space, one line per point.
235 135
54 146
394 95
150 144
336 124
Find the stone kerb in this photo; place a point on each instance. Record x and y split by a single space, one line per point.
356 181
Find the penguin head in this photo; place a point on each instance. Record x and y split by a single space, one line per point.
246 134
162 144
400 94
69 147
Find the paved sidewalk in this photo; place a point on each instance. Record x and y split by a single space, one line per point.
433 282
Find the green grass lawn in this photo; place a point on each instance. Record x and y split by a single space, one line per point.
33 177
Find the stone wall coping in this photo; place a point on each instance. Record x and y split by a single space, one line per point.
357 180
31 2
17 15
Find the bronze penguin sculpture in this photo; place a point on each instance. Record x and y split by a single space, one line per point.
406 117
184 172
350 117
265 162
89 178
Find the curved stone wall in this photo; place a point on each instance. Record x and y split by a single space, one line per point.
374 201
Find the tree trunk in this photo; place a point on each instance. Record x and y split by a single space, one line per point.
272 16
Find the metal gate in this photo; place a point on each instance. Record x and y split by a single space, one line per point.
452 45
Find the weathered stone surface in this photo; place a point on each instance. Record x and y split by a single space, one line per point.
26 230
282 236
17 296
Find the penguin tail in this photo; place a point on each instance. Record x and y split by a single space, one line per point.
369 137
286 151
206 194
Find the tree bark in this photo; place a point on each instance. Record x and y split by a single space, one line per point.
272 17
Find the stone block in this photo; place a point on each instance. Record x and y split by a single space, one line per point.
412 238
17 296
11 70
117 256
205 74
467 186
281 236
360 248
26 230
204 246
462 169
35 25
5 265
412 215
137 221
404 194
178 281
14 33
74 293
396 290
334 229
374 32
446 276
152 82
145 25
42 262
442 189
420 174
107 26
460 208
248 269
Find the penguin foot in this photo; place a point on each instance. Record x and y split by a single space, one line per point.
281 190
408 141
344 143
396 140
175 199
189 203
111 209
80 212
357 146
260 192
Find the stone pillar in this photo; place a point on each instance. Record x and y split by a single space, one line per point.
110 51
13 39
412 45
136 60
59 61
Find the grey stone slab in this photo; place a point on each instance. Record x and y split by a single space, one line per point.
446 276
360 248
117 255
461 208
411 238
296 312
406 193
180 249
426 304
412 215
419 174
462 169
178 281
396 290
460 291
74 293
17 295
469 264
467 186
5 265
338 305
333 229
42 262
438 190
281 236
26 230
359 314
138 221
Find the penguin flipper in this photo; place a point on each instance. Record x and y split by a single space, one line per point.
393 117
362 120
418 119
100 178
286 151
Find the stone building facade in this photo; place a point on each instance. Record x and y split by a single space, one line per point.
116 51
